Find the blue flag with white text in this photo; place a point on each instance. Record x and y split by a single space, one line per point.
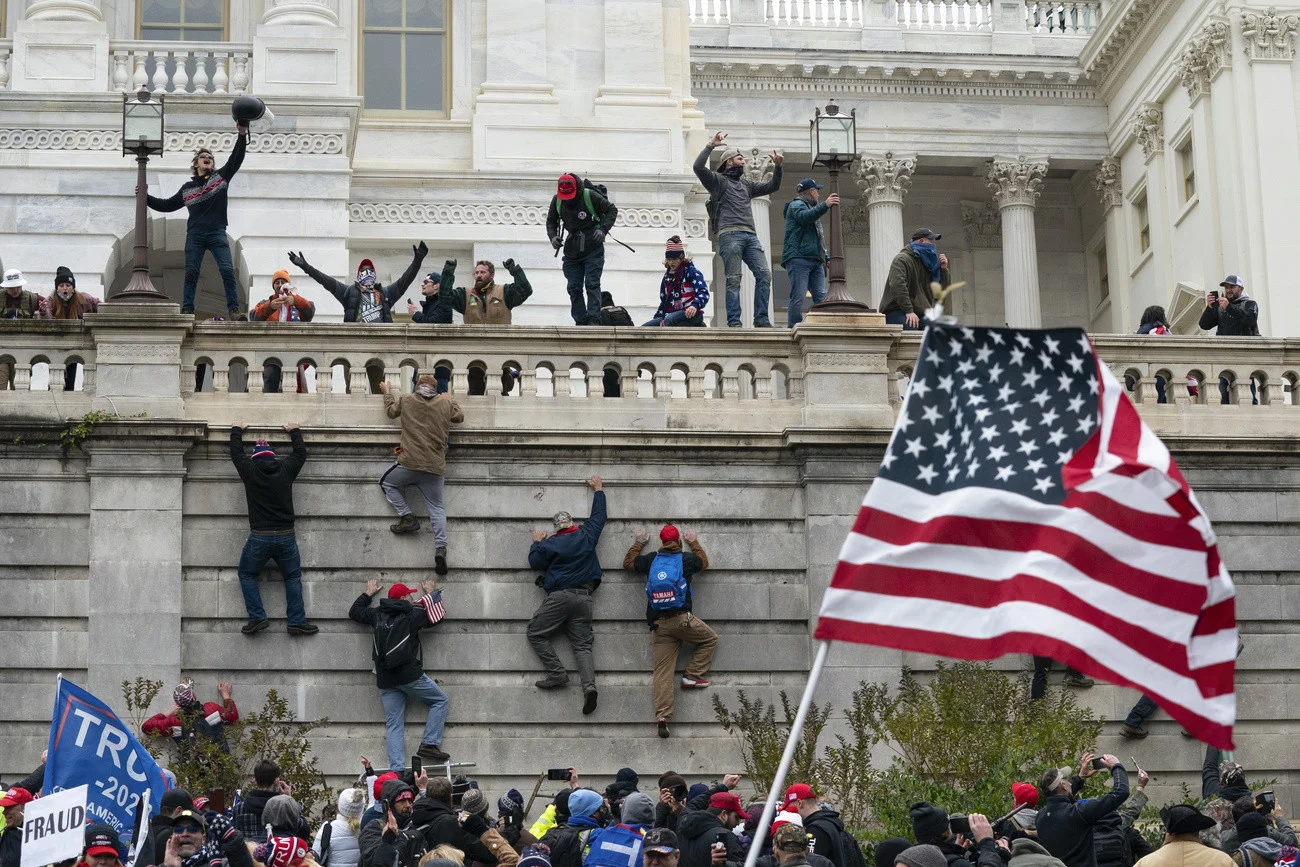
90 745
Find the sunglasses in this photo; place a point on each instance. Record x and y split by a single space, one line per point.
187 829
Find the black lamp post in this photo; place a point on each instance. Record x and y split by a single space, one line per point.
142 135
833 144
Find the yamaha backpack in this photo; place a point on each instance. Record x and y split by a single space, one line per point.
666 587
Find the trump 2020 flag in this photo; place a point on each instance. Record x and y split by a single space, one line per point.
89 745
1023 507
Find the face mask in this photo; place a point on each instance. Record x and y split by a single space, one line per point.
66 294
734 172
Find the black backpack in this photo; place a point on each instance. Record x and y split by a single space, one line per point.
566 845
396 644
614 316
1111 846
849 851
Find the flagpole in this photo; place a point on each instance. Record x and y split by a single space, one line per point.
796 730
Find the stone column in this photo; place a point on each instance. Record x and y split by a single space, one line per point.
1016 184
758 169
300 49
884 182
516 54
634 56
1110 190
1270 46
61 46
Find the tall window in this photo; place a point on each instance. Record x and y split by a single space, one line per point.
1143 223
183 20
1103 274
404 48
1187 166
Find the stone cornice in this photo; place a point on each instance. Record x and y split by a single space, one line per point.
1118 32
1269 36
1207 54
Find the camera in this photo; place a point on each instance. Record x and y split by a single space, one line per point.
959 825
1265 802
1098 764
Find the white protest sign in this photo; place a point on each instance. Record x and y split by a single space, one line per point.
54 827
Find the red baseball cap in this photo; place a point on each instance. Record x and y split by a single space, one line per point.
401 591
567 188
728 801
15 796
797 792
378 786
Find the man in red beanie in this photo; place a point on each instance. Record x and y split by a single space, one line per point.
399 664
668 611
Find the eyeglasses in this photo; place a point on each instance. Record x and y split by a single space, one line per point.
187 829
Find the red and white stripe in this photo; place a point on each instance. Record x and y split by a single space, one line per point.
1122 580
433 609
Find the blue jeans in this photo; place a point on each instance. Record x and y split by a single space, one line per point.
585 270
197 243
677 318
284 551
394 700
806 275
898 317
1144 708
737 247
1225 393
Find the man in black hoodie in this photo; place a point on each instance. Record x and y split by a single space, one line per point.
205 196
390 840
587 217
160 826
698 830
366 299
434 308
252 804
268 488
438 821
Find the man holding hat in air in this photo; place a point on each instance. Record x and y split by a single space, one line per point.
668 611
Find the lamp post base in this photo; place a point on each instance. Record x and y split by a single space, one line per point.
140 288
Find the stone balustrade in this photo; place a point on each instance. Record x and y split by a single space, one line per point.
945 14
1068 18
6 52
1045 17
180 67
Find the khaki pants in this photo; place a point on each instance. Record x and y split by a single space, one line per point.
667 639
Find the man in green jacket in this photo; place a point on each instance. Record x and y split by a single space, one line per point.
803 255
488 302
908 293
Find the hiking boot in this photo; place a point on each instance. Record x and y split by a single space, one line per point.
405 524
433 752
763 324
254 626
1078 681
189 310
733 324
663 728
1134 733
303 629
589 703
440 560
235 316
687 683
552 682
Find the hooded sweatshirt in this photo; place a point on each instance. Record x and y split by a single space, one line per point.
697 831
268 485
732 194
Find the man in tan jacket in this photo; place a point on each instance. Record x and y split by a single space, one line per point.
427 417
1183 846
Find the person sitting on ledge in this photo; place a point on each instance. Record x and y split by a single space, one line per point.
434 308
682 292
365 299
490 303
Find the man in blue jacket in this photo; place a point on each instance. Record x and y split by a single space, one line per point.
803 255
570 572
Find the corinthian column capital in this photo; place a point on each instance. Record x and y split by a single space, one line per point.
1016 181
884 179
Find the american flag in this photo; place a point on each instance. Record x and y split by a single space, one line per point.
1023 507
432 605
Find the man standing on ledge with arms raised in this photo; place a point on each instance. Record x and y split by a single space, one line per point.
205 196
729 195
488 302
570 573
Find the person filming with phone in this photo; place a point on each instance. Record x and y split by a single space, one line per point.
1065 826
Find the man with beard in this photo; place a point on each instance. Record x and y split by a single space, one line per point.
365 299
729 198
383 839
490 303
586 216
212 843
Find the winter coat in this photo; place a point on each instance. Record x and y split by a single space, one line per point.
28 305
1183 853
426 424
697 831
666 818
11 846
345 848
732 194
908 286
803 232
248 815
1283 833
1021 823
426 612
568 842
1065 827
76 307
693 562
1160 328
167 725
493 304
206 197
440 825
1240 318
1030 853
269 312
268 485
434 310
568 559
578 222
349 295
693 292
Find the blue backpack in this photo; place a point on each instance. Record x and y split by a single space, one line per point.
666 588
617 846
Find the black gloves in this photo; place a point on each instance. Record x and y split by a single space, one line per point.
556 242
509 264
475 824
598 236
421 249
450 263
297 259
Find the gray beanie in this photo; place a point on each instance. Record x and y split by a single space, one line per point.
638 809
282 813
474 801
925 855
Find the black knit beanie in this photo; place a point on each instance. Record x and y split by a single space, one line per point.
64 275
928 822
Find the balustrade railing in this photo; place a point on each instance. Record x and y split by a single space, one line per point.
1069 18
945 14
814 13
1047 17
709 11
6 52
180 67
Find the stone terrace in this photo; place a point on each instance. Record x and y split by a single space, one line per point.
119 558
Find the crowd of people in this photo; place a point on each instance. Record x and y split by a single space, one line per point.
408 818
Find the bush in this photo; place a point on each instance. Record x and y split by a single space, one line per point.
201 766
762 739
959 741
